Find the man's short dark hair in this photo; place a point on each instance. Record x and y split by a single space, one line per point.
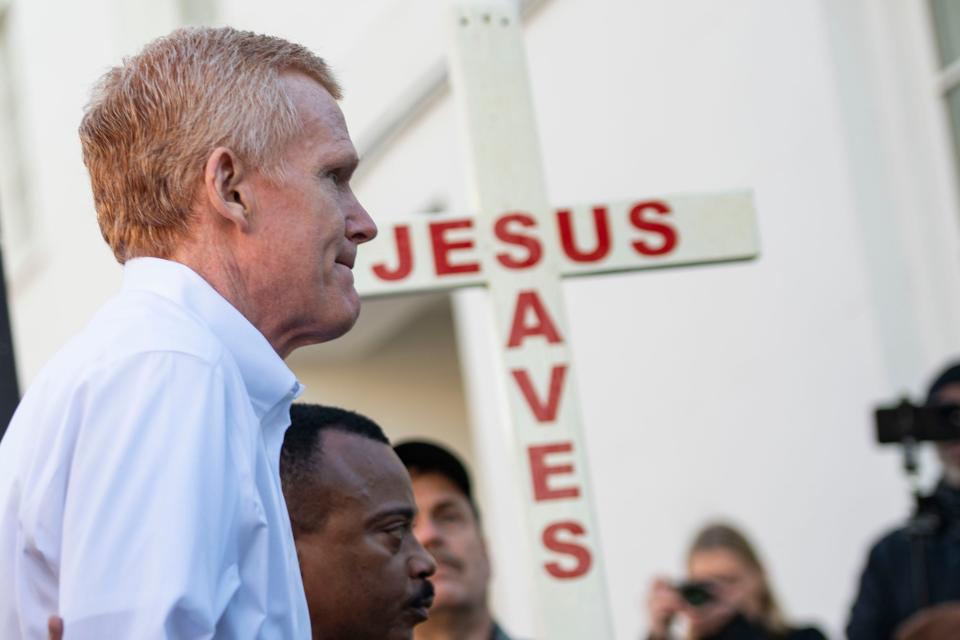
949 376
301 457
421 456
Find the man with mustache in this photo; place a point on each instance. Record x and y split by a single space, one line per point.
448 526
352 509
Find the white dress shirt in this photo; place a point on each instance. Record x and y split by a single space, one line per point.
139 478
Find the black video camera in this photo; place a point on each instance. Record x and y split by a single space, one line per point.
907 422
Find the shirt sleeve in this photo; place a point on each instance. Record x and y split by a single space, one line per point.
151 506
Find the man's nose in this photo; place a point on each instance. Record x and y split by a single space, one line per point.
422 564
360 226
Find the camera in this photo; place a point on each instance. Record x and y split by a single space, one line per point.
696 594
908 425
907 422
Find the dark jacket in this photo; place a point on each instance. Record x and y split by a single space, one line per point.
887 595
739 628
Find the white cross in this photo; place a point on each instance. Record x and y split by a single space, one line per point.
520 248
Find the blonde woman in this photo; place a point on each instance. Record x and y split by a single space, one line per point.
726 595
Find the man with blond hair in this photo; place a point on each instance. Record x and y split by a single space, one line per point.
139 486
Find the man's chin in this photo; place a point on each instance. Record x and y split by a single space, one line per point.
352 307
447 596
400 633
346 324
402 628
344 321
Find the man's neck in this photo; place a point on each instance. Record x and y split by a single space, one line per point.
217 265
457 624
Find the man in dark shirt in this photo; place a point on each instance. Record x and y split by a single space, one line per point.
888 596
448 526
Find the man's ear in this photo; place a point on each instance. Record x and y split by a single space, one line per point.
227 187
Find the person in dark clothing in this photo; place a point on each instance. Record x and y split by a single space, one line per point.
740 604
448 526
888 598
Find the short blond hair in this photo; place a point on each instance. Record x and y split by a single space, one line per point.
153 121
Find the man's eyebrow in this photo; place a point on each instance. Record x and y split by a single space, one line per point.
343 158
406 512
452 501
346 164
351 160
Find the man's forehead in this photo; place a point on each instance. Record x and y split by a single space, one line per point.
304 90
437 484
322 118
361 465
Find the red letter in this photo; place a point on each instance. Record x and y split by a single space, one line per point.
668 233
542 413
542 325
405 260
603 236
442 248
580 553
531 244
540 472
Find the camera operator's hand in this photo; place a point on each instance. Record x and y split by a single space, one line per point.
663 602
932 623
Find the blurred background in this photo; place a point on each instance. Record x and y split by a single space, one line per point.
741 391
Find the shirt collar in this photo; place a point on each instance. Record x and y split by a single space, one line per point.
267 378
